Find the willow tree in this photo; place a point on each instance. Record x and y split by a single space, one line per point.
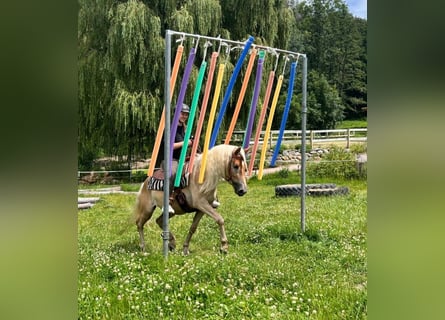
95 79
136 61
120 59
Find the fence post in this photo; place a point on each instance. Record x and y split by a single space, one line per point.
348 137
311 138
270 139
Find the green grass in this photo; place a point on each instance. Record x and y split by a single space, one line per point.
272 270
346 124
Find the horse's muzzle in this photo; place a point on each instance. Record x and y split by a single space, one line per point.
239 188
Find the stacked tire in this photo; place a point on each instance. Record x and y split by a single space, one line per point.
322 189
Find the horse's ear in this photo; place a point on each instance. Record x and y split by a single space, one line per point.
237 151
247 150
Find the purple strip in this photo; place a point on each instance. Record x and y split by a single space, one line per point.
254 103
184 83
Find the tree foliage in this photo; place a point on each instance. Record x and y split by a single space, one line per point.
325 108
121 62
335 43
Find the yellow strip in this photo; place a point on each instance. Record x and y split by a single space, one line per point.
211 120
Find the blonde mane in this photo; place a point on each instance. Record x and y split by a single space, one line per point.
217 162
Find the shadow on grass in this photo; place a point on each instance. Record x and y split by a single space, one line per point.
283 233
126 246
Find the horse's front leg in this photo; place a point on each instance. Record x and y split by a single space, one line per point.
207 208
224 242
196 219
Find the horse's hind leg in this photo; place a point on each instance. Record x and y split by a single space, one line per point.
172 239
144 211
196 219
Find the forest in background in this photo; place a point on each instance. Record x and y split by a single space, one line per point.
121 64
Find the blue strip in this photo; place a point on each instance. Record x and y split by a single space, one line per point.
293 68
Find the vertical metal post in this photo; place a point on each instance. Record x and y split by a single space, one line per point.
167 167
303 145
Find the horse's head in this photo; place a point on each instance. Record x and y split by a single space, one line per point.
237 172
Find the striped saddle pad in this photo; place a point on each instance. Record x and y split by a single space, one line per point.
156 181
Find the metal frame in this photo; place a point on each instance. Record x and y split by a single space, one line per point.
168 41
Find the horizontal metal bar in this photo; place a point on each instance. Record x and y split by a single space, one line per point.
172 32
196 36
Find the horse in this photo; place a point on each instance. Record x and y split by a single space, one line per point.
226 162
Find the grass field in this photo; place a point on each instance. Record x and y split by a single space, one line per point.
346 124
272 270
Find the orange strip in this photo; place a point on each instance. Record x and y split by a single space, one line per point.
241 96
154 155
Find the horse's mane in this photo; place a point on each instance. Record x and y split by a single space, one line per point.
216 165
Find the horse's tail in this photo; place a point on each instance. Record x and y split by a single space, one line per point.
131 220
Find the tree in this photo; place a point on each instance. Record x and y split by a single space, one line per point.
335 43
325 108
95 80
120 58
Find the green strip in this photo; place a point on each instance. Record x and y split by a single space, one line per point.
190 122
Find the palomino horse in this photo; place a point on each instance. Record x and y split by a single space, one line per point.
223 162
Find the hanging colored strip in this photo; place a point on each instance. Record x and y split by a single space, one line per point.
241 96
229 90
154 155
211 120
203 110
261 120
269 125
256 93
184 83
190 122
285 114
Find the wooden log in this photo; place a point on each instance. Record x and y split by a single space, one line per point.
84 205
101 189
86 200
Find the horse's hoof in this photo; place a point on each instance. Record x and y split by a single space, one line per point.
223 251
171 247
185 251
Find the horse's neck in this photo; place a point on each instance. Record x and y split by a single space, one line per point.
221 164
216 167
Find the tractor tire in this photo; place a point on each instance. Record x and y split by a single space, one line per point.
324 189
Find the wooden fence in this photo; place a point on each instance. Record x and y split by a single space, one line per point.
313 137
